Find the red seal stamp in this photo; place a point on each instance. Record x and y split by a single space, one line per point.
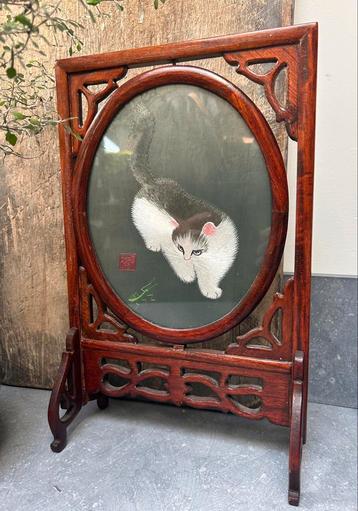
127 262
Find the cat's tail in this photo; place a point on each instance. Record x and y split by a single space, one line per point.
143 125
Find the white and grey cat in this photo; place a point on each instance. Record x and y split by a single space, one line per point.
198 240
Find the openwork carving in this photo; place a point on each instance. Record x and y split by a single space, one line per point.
180 383
280 58
98 322
273 347
84 87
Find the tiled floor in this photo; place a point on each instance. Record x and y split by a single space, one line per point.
144 457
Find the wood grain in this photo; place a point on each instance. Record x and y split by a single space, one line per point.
182 370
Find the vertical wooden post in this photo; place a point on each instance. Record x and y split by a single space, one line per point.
296 430
304 204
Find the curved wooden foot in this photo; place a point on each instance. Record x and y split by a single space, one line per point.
296 431
102 401
58 444
66 392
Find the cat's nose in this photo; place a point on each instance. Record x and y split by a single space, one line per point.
187 258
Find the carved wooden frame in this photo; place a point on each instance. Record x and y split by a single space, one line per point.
275 373
259 127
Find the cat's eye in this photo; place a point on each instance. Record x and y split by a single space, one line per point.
197 252
180 248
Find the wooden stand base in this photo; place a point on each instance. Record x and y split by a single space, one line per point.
102 401
67 391
72 390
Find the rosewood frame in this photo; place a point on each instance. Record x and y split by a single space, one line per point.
278 370
278 181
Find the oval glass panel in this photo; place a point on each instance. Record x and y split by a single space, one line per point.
179 206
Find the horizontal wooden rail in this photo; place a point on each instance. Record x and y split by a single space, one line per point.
190 354
188 50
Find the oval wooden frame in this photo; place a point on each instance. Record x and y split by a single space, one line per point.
279 191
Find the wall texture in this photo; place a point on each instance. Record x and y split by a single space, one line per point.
333 353
335 199
33 304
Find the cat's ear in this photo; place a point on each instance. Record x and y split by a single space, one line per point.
173 223
208 229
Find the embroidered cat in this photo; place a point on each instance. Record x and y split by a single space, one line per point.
198 240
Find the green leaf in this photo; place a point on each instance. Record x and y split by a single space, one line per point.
70 131
30 127
24 20
70 51
93 2
77 136
34 121
92 16
11 72
18 116
60 27
156 4
11 138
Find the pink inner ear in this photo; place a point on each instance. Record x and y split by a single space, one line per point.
174 223
208 229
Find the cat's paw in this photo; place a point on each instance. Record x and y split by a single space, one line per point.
153 247
187 278
212 293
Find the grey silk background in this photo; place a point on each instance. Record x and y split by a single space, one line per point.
202 142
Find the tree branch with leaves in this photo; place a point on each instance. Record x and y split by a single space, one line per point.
27 87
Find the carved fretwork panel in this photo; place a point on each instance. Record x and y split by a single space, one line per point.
261 342
85 97
240 391
97 321
280 57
